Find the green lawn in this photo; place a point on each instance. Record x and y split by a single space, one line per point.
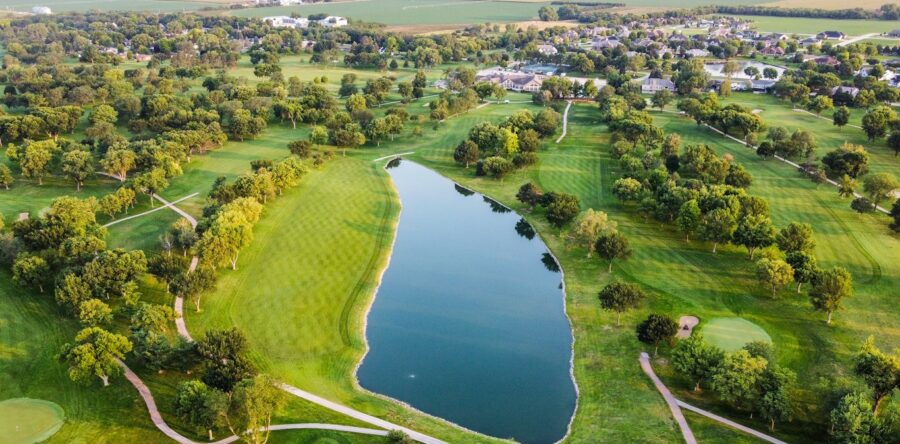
829 137
731 334
686 278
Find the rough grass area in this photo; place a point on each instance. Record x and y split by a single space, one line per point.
731 334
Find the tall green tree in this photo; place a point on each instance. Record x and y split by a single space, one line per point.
689 218
253 404
735 379
96 353
829 288
200 406
657 328
78 165
753 232
696 359
796 237
880 371
611 246
620 297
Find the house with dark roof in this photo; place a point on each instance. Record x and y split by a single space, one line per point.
831 35
652 85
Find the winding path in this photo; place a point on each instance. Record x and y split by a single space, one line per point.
676 405
161 424
856 39
670 400
565 122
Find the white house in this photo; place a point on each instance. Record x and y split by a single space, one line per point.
652 85
41 10
333 21
283 21
547 49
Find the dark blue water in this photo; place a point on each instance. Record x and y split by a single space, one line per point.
468 324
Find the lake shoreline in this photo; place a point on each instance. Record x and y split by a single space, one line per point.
379 282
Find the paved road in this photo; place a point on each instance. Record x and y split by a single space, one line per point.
183 213
565 122
856 39
670 400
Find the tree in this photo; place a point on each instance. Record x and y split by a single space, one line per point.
736 377
804 266
819 104
96 352
497 167
118 162
718 226
879 186
590 225
662 98
688 219
627 188
853 421
895 214
201 406
829 288
30 271
621 297
35 161
547 14
754 231
841 116
796 237
847 186
243 124
773 401
466 153
562 208
93 312
774 272
893 142
879 370
77 164
656 329
6 177
253 404
862 205
192 285
224 362
529 194
849 159
877 121
696 359
612 245
151 182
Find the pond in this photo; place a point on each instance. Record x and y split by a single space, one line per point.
469 323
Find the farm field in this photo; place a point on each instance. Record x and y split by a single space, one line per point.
795 25
108 5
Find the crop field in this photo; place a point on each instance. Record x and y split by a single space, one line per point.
795 25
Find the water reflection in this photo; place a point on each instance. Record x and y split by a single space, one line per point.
524 229
496 207
463 190
550 262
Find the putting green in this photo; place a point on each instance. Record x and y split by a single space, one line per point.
26 420
731 334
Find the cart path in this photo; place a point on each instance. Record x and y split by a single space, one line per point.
166 205
161 424
676 405
670 400
565 122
